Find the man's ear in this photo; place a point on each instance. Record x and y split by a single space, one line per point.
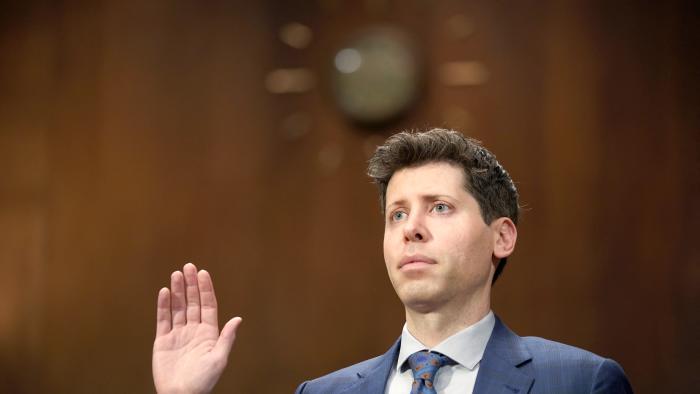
505 235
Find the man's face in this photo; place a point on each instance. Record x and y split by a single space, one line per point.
437 248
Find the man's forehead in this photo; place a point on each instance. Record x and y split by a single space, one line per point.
432 173
431 179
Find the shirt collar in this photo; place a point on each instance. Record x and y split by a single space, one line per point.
466 347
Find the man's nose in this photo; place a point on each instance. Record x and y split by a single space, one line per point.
415 229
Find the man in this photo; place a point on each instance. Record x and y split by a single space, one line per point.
450 224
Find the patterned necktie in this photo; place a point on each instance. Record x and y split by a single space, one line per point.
425 365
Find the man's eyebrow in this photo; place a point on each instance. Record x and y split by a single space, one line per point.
424 197
397 202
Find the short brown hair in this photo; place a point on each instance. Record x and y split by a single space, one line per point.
485 178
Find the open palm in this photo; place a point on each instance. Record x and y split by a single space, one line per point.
189 353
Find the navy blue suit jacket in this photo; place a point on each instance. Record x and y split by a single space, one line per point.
511 364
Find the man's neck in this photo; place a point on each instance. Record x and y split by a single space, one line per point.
433 327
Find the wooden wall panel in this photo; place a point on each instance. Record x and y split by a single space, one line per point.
25 85
136 137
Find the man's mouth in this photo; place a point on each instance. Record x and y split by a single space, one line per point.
416 261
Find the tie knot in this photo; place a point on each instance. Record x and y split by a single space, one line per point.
425 364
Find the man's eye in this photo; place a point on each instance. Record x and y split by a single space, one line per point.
398 215
441 208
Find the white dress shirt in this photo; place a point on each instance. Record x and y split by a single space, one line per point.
466 348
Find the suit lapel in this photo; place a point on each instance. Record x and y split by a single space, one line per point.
373 379
499 370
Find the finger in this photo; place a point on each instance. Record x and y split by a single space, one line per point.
192 293
208 298
163 315
227 337
177 299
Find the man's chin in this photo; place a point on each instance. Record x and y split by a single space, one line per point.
421 300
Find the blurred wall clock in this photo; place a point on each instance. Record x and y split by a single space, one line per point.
376 75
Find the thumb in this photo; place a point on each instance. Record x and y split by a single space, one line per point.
227 337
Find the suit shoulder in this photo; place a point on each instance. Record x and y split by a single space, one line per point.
545 348
339 378
569 363
353 370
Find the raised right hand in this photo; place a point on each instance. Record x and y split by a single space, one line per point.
189 354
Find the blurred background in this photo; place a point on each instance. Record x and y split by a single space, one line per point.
138 136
